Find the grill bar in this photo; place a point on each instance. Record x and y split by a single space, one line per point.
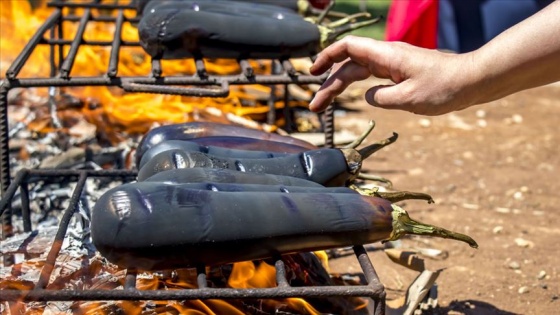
69 61
115 47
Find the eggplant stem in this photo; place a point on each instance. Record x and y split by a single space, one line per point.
348 19
396 196
376 178
324 13
329 35
362 137
371 149
403 224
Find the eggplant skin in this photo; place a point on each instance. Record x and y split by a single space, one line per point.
203 174
193 130
327 167
189 146
158 227
184 33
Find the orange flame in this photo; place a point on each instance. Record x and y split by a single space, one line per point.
130 112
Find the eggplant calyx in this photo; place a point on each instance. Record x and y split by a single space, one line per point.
403 224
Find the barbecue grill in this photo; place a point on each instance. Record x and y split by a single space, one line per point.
200 84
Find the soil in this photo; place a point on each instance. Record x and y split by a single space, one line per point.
493 172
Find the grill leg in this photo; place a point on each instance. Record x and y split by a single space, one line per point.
5 164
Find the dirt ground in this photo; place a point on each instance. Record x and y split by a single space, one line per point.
493 172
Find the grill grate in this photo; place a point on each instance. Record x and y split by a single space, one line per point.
200 84
373 289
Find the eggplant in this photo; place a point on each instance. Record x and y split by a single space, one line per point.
251 144
203 174
189 146
177 31
191 130
157 227
231 7
328 167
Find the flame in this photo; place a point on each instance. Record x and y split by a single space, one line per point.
134 113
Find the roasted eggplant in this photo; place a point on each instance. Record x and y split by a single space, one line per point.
175 31
156 226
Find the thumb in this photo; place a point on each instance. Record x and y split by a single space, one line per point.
386 96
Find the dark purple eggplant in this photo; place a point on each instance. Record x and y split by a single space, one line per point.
191 130
175 32
203 174
189 146
156 227
328 167
251 144
229 7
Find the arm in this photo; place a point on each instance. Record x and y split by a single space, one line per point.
430 82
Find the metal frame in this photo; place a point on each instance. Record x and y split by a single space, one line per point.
199 84
154 83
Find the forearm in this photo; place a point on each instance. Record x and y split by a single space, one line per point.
524 56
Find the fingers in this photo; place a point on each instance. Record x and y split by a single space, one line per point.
396 97
356 48
337 82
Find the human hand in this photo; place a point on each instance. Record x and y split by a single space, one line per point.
427 82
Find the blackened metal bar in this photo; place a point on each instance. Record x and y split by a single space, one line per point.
66 42
201 277
99 18
223 91
21 59
289 68
25 213
372 279
61 233
156 68
10 191
52 53
203 294
64 4
173 80
246 68
200 67
287 110
69 60
116 47
367 267
281 273
130 279
271 115
328 120
60 30
4 141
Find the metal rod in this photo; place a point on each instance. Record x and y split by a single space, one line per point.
99 18
281 274
64 4
116 47
61 233
4 139
130 279
203 294
156 68
25 210
328 121
66 42
69 60
201 277
21 59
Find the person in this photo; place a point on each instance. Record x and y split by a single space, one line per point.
431 82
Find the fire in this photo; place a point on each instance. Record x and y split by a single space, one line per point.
134 113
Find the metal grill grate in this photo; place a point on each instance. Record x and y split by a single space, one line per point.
200 84
374 289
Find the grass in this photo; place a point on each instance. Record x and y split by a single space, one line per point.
374 7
